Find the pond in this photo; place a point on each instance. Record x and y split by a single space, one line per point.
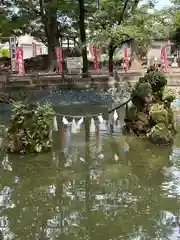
92 186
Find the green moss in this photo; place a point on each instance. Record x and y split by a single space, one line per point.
160 132
159 128
158 113
168 95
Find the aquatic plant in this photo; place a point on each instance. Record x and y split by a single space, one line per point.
151 115
29 128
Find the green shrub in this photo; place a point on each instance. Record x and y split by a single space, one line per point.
157 80
142 90
4 52
29 128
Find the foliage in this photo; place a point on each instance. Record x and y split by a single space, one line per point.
168 95
4 52
112 24
160 134
156 79
143 47
38 14
173 14
151 114
117 23
137 22
175 31
152 83
29 128
11 22
140 92
176 37
158 113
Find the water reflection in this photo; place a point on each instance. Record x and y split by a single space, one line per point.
92 186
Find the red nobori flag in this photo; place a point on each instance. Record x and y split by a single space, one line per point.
59 59
94 54
20 61
17 54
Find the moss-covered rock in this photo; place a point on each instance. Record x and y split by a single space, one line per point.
142 122
157 80
160 134
159 114
141 91
151 114
29 128
168 95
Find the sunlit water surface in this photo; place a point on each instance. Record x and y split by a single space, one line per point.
98 187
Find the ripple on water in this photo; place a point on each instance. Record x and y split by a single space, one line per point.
92 190
68 97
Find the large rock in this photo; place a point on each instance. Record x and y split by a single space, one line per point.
151 114
142 123
160 134
138 122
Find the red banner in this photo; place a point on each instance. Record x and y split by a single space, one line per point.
163 59
94 54
20 60
125 60
17 54
59 59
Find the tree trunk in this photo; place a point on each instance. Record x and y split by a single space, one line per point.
49 19
53 41
83 36
111 53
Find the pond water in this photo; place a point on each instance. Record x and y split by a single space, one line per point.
92 186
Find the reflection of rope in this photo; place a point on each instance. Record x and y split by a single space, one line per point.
95 114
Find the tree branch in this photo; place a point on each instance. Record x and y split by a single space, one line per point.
128 40
123 12
134 6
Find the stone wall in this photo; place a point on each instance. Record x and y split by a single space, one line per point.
53 81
